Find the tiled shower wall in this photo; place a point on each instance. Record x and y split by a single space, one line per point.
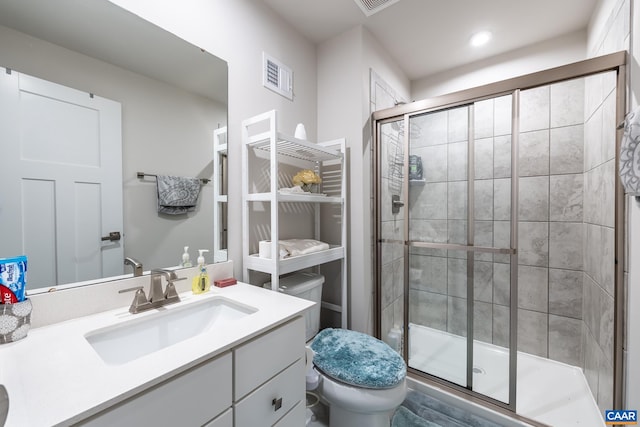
599 236
551 221
597 332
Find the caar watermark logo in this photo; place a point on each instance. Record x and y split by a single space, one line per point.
615 417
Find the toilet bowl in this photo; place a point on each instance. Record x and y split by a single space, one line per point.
361 378
351 406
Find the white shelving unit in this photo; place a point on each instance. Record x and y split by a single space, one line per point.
261 138
219 198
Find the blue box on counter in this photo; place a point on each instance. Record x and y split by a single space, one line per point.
13 279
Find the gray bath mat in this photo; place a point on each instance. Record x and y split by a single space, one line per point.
442 414
405 418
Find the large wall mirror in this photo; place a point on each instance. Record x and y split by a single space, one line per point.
170 98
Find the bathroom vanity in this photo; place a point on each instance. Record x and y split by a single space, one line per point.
242 365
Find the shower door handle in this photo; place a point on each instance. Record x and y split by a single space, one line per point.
396 204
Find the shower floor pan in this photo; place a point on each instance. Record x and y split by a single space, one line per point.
549 392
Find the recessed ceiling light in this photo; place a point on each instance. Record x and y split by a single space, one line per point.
481 38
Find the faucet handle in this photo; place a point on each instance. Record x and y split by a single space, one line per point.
170 292
139 299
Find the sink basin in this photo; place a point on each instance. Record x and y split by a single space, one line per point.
130 340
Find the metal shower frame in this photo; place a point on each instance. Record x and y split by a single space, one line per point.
613 62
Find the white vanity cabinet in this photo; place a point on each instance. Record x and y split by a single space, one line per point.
223 420
258 383
270 378
193 398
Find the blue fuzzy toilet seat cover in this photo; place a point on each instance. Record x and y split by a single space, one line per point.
357 359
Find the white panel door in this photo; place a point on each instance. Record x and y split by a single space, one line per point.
61 179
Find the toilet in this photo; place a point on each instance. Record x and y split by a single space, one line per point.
361 378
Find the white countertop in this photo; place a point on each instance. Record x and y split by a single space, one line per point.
54 376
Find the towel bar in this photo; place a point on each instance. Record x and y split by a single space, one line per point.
204 181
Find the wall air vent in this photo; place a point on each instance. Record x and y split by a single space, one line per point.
277 76
369 7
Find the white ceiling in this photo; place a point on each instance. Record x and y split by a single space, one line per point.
430 36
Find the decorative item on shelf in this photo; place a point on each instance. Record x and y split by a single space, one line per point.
301 132
308 180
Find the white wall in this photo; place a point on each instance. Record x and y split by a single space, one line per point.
377 58
343 111
541 56
339 94
239 31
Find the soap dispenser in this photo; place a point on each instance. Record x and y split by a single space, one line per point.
201 282
186 262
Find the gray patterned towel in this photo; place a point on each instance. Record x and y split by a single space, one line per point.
177 195
630 154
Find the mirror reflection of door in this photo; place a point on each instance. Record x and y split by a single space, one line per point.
62 149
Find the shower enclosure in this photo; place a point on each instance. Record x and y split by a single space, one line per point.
499 220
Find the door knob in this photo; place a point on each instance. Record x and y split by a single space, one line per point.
113 236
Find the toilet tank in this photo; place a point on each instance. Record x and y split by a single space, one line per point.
307 286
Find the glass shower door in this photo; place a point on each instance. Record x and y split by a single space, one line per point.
459 257
391 230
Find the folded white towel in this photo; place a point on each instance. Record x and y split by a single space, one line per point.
291 248
630 153
297 247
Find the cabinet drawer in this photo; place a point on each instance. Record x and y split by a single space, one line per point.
295 418
263 407
261 359
192 398
223 420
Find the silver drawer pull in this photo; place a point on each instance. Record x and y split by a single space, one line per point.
277 403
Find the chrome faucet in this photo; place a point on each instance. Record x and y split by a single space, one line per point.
157 297
170 294
137 266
